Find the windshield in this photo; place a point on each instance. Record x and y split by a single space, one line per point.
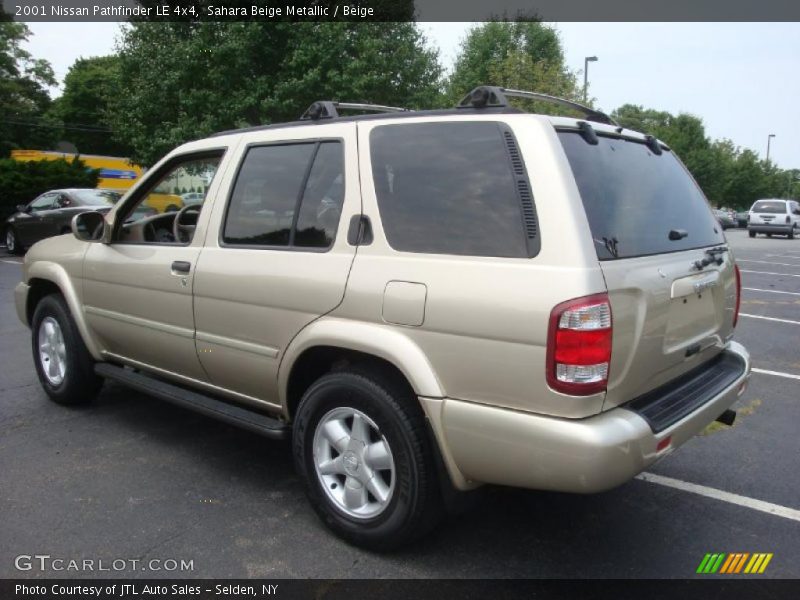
96 197
638 203
770 206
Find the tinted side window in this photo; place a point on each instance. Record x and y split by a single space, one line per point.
273 182
322 199
262 205
447 188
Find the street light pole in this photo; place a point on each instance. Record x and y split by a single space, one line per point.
586 62
769 139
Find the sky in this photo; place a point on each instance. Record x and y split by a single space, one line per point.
740 78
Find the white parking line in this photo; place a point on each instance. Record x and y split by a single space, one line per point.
12 262
770 273
770 319
792 256
768 262
771 291
776 373
751 503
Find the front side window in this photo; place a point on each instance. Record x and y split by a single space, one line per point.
162 213
447 188
287 195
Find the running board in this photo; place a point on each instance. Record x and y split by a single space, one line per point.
206 405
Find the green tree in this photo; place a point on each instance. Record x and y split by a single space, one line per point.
186 80
729 176
83 106
23 92
526 55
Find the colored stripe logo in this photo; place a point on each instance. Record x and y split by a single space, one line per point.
735 563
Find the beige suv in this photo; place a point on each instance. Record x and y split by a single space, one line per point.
424 302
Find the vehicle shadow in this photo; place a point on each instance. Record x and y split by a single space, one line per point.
508 533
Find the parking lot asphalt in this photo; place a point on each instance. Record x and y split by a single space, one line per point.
133 478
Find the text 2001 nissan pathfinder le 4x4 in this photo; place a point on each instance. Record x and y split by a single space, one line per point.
422 301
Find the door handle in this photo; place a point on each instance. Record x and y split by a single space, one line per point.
181 266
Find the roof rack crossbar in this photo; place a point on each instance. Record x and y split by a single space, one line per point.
486 96
326 109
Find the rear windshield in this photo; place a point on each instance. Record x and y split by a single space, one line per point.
634 198
769 206
96 197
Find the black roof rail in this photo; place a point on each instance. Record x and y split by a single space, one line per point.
488 96
327 109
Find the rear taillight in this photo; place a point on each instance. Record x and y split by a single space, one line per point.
579 346
738 294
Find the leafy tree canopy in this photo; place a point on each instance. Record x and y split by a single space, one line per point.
23 91
523 55
83 106
730 176
185 80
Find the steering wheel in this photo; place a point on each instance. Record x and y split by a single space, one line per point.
184 233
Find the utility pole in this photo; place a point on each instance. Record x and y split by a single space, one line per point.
586 62
769 139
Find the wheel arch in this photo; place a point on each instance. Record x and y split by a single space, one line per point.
46 278
330 344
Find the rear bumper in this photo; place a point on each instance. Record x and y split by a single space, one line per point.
782 228
500 446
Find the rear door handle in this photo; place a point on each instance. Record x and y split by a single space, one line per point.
181 266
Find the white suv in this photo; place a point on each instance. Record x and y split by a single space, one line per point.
774 216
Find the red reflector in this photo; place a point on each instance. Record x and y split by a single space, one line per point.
664 444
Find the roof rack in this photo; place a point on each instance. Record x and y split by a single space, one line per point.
488 96
326 109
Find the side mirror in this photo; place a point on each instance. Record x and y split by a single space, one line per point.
22 208
89 226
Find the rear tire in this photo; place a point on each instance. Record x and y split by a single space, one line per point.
352 428
63 364
12 242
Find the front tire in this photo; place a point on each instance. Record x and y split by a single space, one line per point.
752 234
12 242
361 447
63 364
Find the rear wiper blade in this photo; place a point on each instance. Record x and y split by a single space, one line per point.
713 257
610 244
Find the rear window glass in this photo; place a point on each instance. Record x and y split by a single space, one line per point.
447 188
96 197
633 198
769 206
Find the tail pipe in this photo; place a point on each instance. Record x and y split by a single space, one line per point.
727 418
